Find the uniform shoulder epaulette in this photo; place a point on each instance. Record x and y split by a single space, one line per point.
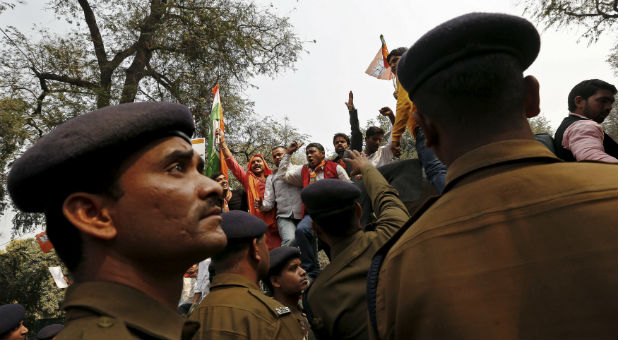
276 307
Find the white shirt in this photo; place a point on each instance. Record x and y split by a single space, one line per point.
286 196
203 278
383 155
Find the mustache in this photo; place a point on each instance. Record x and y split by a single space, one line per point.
211 205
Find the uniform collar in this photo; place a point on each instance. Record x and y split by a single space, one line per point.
507 151
127 304
229 279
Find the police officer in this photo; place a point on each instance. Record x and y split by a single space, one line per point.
236 308
12 322
519 244
336 301
287 280
128 210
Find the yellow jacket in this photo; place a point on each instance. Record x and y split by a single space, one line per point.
403 115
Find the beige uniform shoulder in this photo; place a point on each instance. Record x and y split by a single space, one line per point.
96 327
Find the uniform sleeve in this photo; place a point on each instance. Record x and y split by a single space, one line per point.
357 136
390 212
240 174
290 174
342 174
269 195
584 139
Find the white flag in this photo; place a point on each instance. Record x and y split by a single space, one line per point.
58 276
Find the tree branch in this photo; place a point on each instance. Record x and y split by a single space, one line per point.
68 80
95 34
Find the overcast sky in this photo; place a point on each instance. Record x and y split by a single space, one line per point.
347 38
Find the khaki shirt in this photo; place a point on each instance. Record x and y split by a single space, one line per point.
336 300
237 309
105 310
519 245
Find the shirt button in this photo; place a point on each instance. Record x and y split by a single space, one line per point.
105 322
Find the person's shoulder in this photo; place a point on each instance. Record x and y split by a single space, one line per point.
96 327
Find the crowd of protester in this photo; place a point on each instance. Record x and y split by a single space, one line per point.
518 239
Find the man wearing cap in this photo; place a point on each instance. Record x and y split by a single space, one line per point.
519 244
236 308
128 210
287 280
12 322
336 301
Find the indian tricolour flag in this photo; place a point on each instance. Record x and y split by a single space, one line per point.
214 157
379 66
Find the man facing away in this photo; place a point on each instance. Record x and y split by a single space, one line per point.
317 168
580 136
519 244
285 197
236 308
336 300
128 210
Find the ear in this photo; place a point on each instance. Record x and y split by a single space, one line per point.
255 250
89 213
274 281
316 229
429 128
359 210
532 102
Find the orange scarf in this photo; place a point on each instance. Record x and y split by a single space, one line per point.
253 192
313 173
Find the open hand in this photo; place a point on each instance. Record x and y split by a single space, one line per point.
350 102
357 160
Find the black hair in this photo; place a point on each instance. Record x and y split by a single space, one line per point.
215 175
233 248
277 147
338 223
65 237
341 134
315 145
374 130
587 88
398 52
475 92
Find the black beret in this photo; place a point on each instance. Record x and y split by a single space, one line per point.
241 225
10 316
280 256
49 331
328 195
465 37
69 157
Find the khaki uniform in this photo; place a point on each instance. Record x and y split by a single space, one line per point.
520 245
105 310
336 300
237 309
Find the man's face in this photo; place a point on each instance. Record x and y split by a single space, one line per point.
293 278
223 182
19 333
169 211
340 144
257 165
314 156
598 106
278 154
393 63
372 143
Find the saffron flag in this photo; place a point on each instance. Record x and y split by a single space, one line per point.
214 157
44 242
379 66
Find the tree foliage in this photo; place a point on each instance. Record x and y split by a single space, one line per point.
595 16
25 279
122 51
540 124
